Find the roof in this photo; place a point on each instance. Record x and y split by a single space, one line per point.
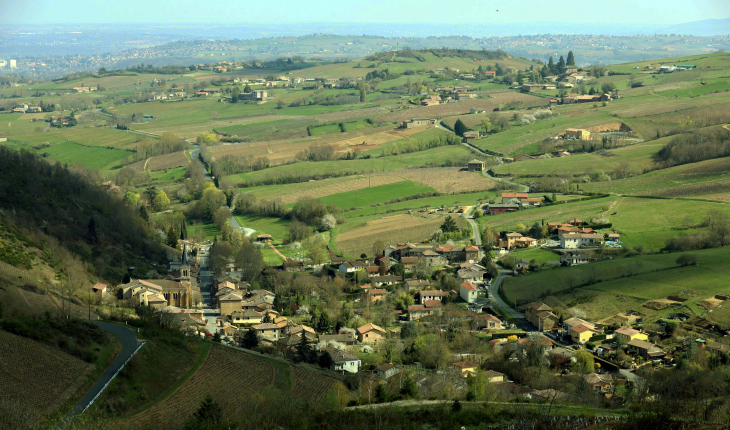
230 298
265 326
464 364
574 321
469 286
416 308
580 328
342 337
642 344
409 260
514 195
488 317
627 331
418 283
300 327
492 374
471 248
369 327
99 287
539 306
385 367
595 378
432 303
433 293
377 291
339 356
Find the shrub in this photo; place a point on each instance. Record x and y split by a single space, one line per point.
687 260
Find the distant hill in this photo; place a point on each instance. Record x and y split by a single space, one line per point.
707 27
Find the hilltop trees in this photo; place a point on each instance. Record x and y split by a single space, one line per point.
459 128
571 59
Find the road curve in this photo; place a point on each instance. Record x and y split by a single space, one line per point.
129 347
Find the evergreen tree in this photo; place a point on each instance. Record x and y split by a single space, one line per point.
325 360
267 319
324 324
143 213
209 413
551 66
304 349
571 59
409 388
93 236
459 128
381 396
217 336
449 225
561 65
250 339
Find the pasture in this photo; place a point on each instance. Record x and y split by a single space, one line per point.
276 227
640 278
375 195
91 157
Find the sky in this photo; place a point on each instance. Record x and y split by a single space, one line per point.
455 12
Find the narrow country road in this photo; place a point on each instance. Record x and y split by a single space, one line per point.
130 345
494 291
474 226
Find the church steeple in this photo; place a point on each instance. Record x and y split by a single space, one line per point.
185 265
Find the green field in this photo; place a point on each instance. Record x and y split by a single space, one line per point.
414 205
641 221
207 230
541 255
375 195
705 177
639 156
641 277
276 227
91 157
353 167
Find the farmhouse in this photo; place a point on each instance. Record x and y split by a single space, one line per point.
229 303
599 383
430 307
468 292
573 258
577 133
645 349
385 371
379 281
352 266
531 88
578 240
430 101
99 290
375 294
470 136
344 361
347 339
471 274
247 317
501 208
464 367
267 331
475 166
581 333
488 322
509 240
423 296
370 333
418 122
541 316
465 96
256 95
418 283
628 334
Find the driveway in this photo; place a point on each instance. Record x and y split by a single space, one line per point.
130 345
474 226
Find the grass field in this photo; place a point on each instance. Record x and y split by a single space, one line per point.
375 195
206 231
91 157
326 129
705 177
541 255
276 227
638 156
428 202
352 167
641 222
643 277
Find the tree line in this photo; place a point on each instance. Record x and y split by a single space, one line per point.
696 146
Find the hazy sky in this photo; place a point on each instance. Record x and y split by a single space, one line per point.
383 11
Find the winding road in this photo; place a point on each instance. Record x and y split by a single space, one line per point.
130 345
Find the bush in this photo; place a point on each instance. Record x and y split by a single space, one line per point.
687 260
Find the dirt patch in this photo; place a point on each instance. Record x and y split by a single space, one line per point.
659 304
361 241
709 303
448 180
32 116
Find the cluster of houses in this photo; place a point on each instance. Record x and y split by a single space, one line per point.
581 332
573 98
25 108
512 202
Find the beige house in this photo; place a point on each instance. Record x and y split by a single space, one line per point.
248 317
267 331
370 333
99 290
229 303
628 334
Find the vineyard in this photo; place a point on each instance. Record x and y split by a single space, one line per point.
308 385
330 189
168 161
234 374
35 373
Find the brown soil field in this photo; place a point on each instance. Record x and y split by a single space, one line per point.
35 373
448 180
649 109
191 131
328 190
282 151
609 127
229 376
309 385
709 303
168 161
457 108
361 240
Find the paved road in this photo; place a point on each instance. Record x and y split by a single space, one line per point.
129 347
206 284
494 291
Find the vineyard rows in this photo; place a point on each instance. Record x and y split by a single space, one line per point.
447 180
35 373
234 374
168 161
308 385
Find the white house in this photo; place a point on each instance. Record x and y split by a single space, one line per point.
352 266
342 360
577 240
468 292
